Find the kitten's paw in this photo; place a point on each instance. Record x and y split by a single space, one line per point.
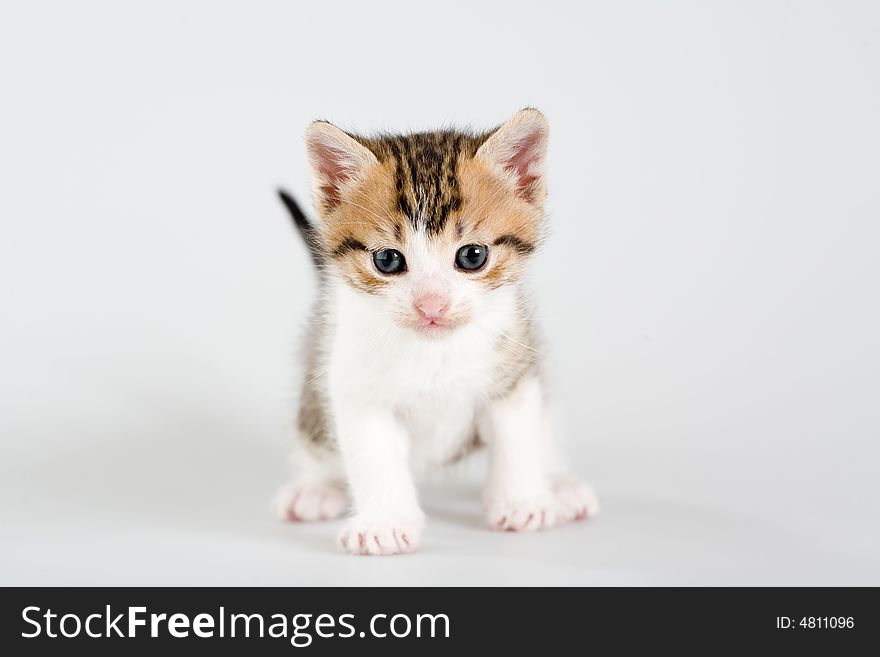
567 500
307 502
577 498
526 515
367 536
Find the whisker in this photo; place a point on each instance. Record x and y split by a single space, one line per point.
521 344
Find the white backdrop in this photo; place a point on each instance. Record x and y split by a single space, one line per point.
709 292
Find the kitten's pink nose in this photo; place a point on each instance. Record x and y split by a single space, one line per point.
431 306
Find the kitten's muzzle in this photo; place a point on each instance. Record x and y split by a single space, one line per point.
431 307
433 316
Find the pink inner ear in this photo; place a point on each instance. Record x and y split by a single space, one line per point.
334 168
526 153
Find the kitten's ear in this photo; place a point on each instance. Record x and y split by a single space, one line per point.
516 152
338 161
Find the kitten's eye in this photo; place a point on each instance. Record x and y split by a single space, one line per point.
471 257
389 261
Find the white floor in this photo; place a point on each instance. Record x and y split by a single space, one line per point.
189 505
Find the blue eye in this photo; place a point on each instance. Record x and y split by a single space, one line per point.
389 261
471 257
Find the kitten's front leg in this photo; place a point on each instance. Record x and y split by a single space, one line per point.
527 490
374 449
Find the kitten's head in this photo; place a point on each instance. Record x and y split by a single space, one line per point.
430 224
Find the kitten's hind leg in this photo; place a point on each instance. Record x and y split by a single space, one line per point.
577 498
317 492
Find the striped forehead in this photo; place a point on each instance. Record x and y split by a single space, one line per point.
425 165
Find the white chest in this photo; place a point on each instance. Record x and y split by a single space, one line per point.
434 387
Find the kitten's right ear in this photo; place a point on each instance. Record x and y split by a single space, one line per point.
516 152
338 161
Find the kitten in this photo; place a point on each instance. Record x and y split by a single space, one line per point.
422 347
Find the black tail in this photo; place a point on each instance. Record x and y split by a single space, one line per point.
305 227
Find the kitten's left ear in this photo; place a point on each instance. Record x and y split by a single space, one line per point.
338 162
516 152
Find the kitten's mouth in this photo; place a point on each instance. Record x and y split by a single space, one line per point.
435 327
